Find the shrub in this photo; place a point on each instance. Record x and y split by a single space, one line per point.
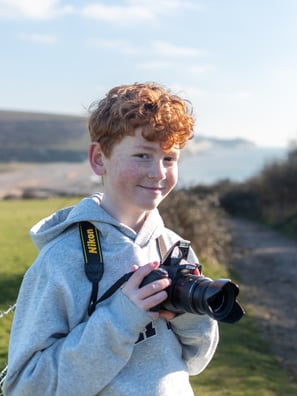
271 196
200 220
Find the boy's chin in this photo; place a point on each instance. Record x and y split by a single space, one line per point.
148 205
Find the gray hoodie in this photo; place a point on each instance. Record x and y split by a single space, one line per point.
57 349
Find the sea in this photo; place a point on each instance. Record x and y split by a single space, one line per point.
220 163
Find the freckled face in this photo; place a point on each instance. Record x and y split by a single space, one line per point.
138 175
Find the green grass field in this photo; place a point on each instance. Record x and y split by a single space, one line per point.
242 365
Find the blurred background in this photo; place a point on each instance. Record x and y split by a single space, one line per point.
236 61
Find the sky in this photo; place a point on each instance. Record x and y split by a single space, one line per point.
235 60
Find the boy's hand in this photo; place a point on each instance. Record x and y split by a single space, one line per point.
150 295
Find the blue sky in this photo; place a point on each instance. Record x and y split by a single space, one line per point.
235 60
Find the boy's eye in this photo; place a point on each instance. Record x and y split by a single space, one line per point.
147 156
142 156
171 158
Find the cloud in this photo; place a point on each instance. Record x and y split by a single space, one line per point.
162 54
154 65
38 38
32 9
128 12
170 50
155 49
133 12
118 45
118 14
163 6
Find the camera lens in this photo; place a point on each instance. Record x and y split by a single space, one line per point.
201 295
217 299
216 302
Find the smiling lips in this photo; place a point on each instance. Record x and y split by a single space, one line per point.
155 189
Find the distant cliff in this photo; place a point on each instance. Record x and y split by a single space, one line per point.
202 143
38 137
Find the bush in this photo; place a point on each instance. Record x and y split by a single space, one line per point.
240 199
271 196
200 220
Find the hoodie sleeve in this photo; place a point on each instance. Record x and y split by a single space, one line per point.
54 348
199 336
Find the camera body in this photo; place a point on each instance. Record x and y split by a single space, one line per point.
191 292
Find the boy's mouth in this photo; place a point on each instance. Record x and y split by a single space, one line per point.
153 188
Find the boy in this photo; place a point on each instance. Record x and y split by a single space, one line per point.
123 348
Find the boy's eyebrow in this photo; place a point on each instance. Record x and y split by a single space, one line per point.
143 146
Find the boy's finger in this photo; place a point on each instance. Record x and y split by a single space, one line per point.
141 273
153 288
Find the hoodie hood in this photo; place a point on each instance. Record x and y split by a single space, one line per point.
89 209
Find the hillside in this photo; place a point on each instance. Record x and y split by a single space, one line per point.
37 137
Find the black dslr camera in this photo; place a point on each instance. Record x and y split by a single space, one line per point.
192 292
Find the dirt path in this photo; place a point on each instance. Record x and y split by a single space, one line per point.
267 264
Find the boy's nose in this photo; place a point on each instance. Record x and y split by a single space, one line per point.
157 171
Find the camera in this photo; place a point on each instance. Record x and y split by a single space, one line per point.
191 292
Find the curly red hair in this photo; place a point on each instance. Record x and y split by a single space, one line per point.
165 117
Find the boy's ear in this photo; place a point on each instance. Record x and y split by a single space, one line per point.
96 158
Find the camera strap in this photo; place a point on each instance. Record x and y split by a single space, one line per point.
94 266
162 248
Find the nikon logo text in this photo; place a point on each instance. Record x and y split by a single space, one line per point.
91 243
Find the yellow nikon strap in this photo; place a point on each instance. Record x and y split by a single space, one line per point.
94 266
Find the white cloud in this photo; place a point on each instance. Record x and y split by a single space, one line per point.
189 91
118 45
167 49
162 54
163 6
126 13
154 65
32 9
133 12
160 50
38 38
118 14
167 64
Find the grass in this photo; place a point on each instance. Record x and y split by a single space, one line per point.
242 365
18 251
